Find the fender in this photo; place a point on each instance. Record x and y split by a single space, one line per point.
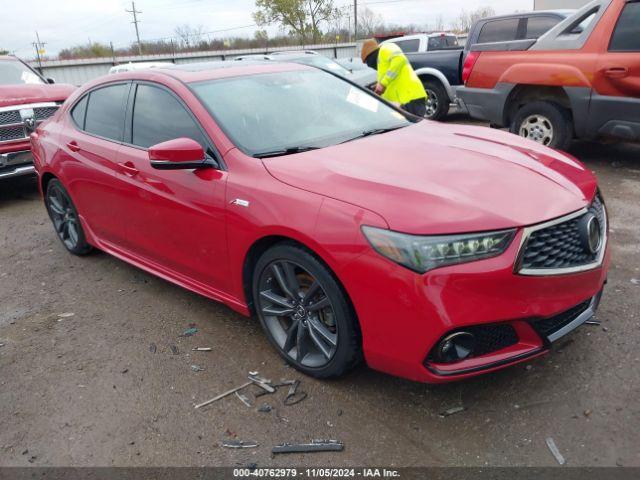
549 75
440 76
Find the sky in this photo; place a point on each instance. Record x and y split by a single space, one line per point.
64 23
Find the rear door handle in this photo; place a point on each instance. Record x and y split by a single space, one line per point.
616 72
73 146
129 169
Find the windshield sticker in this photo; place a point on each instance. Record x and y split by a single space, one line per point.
362 100
29 77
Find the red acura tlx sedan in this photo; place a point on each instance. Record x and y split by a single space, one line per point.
353 231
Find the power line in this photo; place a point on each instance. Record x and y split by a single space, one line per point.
134 12
38 46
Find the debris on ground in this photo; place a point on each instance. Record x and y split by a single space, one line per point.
1 345
593 322
202 349
554 450
66 315
239 444
635 281
174 349
153 348
452 411
293 396
124 371
261 382
264 408
587 412
313 446
197 368
222 395
244 399
189 332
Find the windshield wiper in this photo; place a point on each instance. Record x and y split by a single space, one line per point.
373 131
285 151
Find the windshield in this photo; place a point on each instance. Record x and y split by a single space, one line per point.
294 110
13 72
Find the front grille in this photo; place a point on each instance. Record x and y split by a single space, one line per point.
12 133
12 116
41 112
559 246
548 326
488 339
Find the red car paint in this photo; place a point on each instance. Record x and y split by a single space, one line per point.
427 178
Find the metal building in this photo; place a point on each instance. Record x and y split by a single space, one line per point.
558 4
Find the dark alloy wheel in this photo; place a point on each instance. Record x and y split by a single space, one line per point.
304 312
65 219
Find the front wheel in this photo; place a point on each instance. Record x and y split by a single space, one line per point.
305 312
438 101
544 122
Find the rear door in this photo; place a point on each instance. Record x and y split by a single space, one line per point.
615 104
176 217
89 147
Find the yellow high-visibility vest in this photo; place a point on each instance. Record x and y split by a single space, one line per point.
401 83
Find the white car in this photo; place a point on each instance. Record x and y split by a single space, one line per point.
128 67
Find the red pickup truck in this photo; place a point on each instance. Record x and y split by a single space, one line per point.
579 80
26 99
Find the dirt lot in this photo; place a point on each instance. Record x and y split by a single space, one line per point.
85 389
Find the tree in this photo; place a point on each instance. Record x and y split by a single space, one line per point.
465 20
300 17
369 22
188 35
4 52
439 23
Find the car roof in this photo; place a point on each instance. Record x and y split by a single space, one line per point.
564 13
201 71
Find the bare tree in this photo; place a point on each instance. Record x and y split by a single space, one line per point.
188 35
465 19
369 22
439 23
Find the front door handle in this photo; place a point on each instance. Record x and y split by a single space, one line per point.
129 169
73 146
616 72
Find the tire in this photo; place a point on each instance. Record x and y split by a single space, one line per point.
438 95
65 219
544 122
305 313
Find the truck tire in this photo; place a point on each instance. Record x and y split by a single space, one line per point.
544 122
438 101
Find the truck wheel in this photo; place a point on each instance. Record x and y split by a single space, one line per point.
544 122
437 100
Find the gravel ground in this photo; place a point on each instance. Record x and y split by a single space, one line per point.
79 385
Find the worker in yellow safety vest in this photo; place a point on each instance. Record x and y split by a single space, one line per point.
397 82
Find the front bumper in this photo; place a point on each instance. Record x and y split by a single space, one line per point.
15 164
403 316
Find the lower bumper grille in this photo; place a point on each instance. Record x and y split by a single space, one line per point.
553 328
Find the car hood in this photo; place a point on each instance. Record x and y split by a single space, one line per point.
433 178
21 94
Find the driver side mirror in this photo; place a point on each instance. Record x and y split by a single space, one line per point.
50 80
179 154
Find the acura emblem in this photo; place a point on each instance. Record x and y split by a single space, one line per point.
590 235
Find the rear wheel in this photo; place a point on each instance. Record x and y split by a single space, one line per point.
65 219
546 123
437 100
305 312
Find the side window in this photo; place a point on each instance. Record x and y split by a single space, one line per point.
499 31
158 116
626 37
538 26
409 46
105 112
79 111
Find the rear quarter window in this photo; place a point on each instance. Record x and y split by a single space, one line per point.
626 36
78 112
538 26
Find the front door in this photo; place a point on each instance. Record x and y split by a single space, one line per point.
616 97
177 217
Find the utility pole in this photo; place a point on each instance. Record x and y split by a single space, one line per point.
135 12
38 46
355 20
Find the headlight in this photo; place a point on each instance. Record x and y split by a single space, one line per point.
424 253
